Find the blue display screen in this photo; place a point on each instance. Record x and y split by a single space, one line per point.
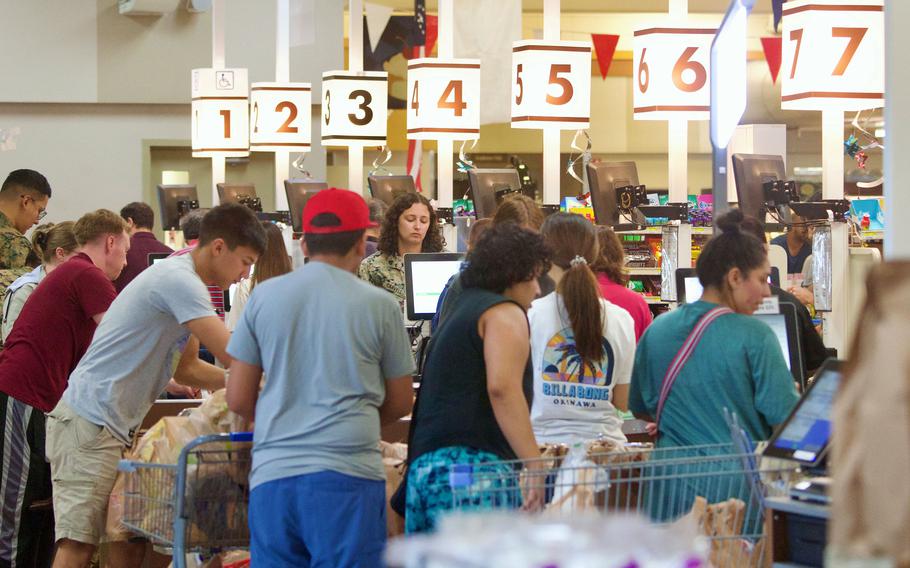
808 430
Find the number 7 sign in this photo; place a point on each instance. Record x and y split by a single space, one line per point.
833 55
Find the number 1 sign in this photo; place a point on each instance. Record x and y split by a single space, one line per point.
833 55
220 113
280 117
551 84
443 99
671 68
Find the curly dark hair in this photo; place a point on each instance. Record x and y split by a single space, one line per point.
505 255
388 233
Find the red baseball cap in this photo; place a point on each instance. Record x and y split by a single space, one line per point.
349 207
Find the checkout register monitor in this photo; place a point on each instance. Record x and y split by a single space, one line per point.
425 276
603 180
489 186
299 191
805 434
388 188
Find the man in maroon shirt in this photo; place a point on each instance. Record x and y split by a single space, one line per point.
141 220
48 339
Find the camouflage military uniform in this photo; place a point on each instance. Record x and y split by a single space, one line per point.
14 252
385 271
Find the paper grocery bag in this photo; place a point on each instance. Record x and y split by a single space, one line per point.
870 461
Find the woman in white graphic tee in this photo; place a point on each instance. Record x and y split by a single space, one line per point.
582 346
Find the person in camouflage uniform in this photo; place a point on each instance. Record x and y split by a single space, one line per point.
23 202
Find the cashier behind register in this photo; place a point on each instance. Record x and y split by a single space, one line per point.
814 353
736 365
797 243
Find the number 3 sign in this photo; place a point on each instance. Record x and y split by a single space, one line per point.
354 108
551 84
671 73
443 99
280 117
220 113
833 55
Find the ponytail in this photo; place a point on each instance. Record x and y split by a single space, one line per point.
581 296
575 246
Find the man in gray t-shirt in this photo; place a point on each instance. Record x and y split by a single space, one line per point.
128 364
338 364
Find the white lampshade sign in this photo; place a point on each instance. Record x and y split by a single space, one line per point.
551 84
671 72
354 108
833 55
280 117
220 113
443 99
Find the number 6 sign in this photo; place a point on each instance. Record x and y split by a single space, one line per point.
443 99
833 55
280 117
354 108
220 113
670 74
551 84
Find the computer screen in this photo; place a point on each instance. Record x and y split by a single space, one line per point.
299 191
751 172
689 289
426 275
778 324
388 188
693 289
486 183
154 257
603 180
170 198
232 192
805 434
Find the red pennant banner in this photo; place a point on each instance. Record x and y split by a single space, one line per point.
604 47
773 47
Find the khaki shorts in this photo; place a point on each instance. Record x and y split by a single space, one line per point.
84 460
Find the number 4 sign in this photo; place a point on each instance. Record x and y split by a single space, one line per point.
443 99
671 67
220 113
833 55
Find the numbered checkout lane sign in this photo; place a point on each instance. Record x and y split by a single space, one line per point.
833 55
220 113
354 108
280 117
671 73
551 84
443 99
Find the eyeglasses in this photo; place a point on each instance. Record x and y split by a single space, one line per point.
42 212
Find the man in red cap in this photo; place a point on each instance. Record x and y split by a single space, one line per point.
339 365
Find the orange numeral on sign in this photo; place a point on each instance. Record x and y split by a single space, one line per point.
292 115
797 36
521 85
643 71
226 116
856 37
415 103
555 79
457 104
685 62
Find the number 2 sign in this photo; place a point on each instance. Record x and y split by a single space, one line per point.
280 117
443 99
551 84
833 55
671 73
220 113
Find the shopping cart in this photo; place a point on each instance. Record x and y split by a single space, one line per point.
198 504
721 487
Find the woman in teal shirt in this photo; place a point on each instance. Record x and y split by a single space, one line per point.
737 365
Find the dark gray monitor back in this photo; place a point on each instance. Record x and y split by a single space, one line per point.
751 172
169 196
299 191
387 188
603 179
232 192
484 185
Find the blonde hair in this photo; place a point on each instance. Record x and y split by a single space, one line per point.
47 238
97 223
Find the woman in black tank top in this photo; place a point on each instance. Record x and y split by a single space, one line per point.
474 401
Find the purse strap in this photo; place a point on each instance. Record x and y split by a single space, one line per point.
679 361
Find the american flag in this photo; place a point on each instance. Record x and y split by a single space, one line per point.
415 147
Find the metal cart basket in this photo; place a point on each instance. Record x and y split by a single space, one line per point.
198 504
722 487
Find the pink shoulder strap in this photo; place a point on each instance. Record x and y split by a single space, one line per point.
683 355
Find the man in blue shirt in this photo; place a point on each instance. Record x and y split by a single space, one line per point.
797 244
338 364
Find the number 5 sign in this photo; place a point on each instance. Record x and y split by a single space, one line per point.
551 84
220 113
670 73
443 99
833 55
280 117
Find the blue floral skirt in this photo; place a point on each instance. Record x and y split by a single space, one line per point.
482 481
